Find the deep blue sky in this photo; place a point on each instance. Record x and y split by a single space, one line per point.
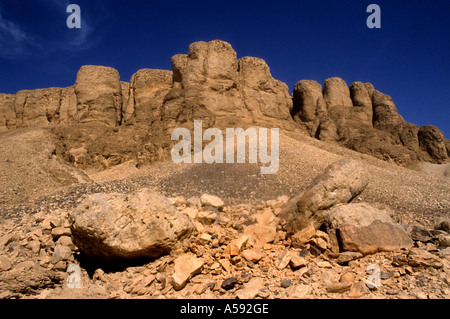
408 58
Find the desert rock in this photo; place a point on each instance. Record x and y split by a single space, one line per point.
340 183
142 224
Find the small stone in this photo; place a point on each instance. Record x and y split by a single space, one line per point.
419 233
297 262
304 235
66 241
285 283
283 260
229 283
300 291
204 238
35 246
206 217
5 263
347 256
191 212
347 277
338 287
237 245
320 243
324 264
211 200
358 290
186 266
254 255
420 257
61 231
61 253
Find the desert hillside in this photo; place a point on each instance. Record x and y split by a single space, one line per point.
89 191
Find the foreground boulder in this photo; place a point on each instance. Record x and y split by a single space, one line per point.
341 182
365 229
141 224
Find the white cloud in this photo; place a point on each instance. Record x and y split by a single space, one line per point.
14 41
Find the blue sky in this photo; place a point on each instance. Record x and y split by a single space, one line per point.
408 58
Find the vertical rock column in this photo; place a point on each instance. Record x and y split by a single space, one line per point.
99 95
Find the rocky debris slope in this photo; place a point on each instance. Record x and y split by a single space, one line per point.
234 251
30 168
134 119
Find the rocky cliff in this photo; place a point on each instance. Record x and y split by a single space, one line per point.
102 121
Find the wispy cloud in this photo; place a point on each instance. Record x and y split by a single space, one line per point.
17 41
85 37
14 41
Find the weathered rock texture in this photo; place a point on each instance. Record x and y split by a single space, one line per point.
142 224
340 183
365 120
365 229
134 119
211 84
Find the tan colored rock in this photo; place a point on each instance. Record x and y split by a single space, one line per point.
253 254
366 229
304 234
384 110
420 257
259 235
431 141
5 263
211 200
132 225
68 106
267 98
236 246
340 183
360 95
7 114
148 89
36 108
99 95
336 93
186 266
210 84
283 259
297 261
60 231
308 101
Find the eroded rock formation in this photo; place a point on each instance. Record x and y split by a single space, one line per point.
210 83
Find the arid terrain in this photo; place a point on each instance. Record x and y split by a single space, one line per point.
359 207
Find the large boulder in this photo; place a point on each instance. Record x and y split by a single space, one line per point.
340 183
114 225
99 95
363 228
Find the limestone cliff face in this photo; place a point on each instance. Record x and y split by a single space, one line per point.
103 120
211 84
365 120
